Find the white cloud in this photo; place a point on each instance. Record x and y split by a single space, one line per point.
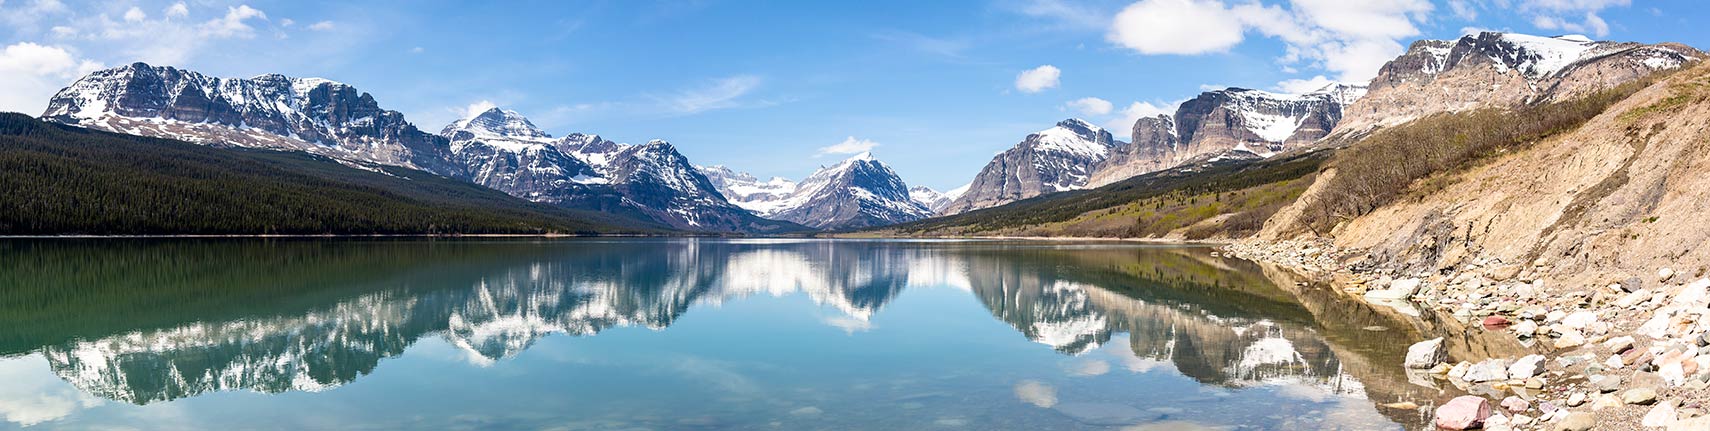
135 15
417 50
1596 24
850 145
477 108
1090 106
1351 39
1176 27
34 72
1298 86
722 94
1463 9
234 23
321 26
177 10
287 22
1038 79
1579 16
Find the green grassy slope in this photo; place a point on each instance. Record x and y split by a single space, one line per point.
1149 205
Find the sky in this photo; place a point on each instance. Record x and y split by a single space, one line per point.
934 89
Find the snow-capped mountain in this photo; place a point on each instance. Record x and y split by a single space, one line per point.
929 198
749 192
1233 122
1051 160
502 150
498 149
858 192
268 111
1502 69
505 151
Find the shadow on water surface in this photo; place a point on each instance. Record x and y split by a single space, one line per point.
153 321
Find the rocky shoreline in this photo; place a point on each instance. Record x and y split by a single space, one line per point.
1629 355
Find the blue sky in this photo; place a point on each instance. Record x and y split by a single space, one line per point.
779 88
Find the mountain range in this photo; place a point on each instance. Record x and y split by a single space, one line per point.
1229 159
654 184
859 192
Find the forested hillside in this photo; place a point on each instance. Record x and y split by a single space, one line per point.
60 179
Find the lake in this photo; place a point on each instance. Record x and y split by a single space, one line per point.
636 334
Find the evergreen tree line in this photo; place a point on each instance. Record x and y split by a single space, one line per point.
57 180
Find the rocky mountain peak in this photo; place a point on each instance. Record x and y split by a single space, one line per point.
1501 69
494 123
1052 160
313 115
866 156
1083 130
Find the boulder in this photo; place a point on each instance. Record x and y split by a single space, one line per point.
1463 412
1639 396
1607 384
1660 416
1633 299
1426 354
1693 293
1579 319
1398 290
1489 370
1570 339
1515 405
1619 344
1492 323
1526 367
1577 421
1526 328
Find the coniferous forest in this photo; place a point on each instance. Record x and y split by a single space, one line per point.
58 180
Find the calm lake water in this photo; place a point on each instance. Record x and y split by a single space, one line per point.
682 334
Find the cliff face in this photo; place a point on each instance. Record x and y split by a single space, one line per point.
1233 123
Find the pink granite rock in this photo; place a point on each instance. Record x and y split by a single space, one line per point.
1463 412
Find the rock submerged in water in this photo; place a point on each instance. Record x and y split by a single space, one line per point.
1463 412
1489 370
1426 354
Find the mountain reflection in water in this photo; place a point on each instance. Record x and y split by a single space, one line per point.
152 321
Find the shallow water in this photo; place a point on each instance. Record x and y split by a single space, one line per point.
681 334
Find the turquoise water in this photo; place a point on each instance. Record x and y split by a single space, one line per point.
680 334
